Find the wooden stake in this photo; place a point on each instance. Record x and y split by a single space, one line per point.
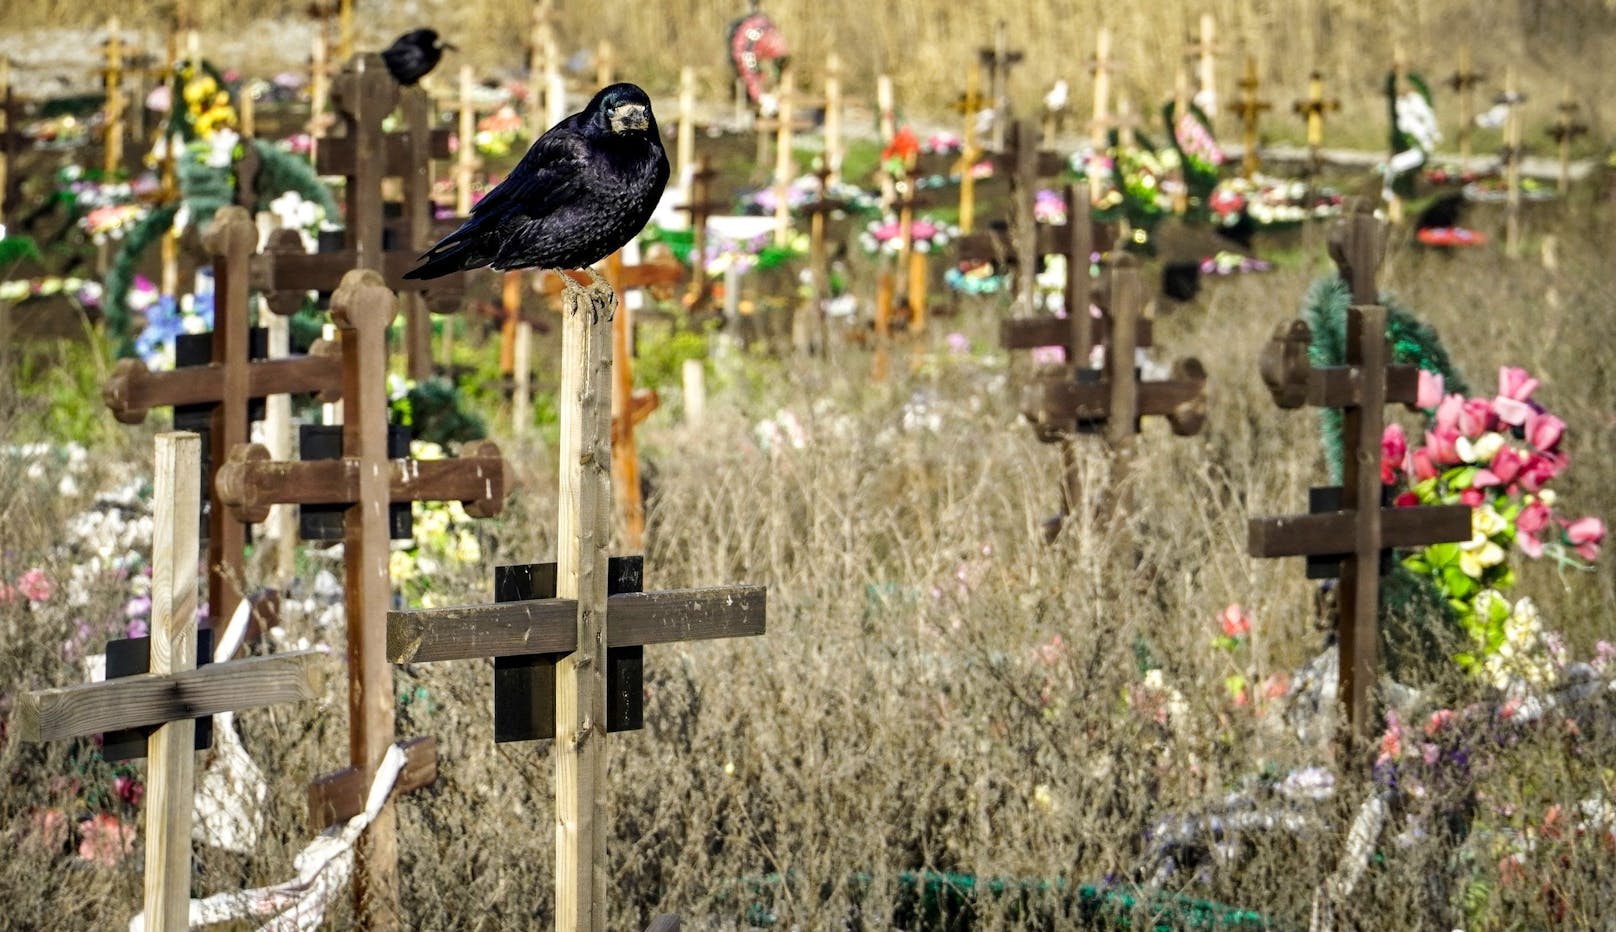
1181 103
319 93
345 30
1206 95
171 773
114 129
466 157
685 148
695 385
884 288
784 163
521 353
1512 164
583 536
889 128
625 457
833 116
969 105
1102 108
278 437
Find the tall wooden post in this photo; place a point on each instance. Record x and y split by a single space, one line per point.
1102 109
833 116
417 107
887 122
345 30
625 456
541 64
583 536
1464 82
521 342
605 64
1250 108
319 92
685 148
176 500
1512 163
113 81
1206 94
1312 111
466 157
999 59
784 164
969 105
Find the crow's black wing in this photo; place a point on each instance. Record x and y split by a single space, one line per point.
549 176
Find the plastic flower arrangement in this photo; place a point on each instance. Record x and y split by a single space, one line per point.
1271 201
500 132
1499 456
445 537
168 317
802 191
1049 207
82 290
885 236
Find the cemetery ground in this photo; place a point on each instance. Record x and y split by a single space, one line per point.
939 690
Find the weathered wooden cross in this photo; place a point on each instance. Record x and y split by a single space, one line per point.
222 390
1565 130
1204 53
1026 164
999 59
576 633
362 96
112 85
169 699
700 206
1354 526
1463 82
1250 109
365 480
1100 125
968 106
1312 111
811 328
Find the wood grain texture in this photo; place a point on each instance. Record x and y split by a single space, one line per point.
337 154
584 535
135 701
231 239
512 629
171 768
338 797
1126 308
1332 533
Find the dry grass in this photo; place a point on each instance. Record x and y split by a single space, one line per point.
898 716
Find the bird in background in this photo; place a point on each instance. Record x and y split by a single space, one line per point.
582 191
413 55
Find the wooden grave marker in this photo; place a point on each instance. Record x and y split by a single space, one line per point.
1564 132
1250 108
1203 52
1313 110
580 626
1464 82
1100 124
112 87
1025 164
968 106
700 206
222 390
818 211
365 480
998 59
174 694
1352 524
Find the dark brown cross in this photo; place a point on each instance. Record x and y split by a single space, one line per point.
170 695
1463 82
366 480
1358 527
1250 109
1076 333
221 391
1565 130
362 96
701 206
818 210
998 59
1026 164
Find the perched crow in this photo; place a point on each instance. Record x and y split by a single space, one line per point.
584 189
413 55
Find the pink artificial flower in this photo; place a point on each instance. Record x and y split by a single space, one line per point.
1429 394
1276 685
8 595
1586 534
1539 469
1406 500
1506 465
1439 720
1475 417
1430 753
1528 524
1447 412
1515 384
1423 467
1391 742
958 343
1472 498
105 840
1236 623
128 789
1443 442
35 586
1048 355
1485 478
49 829
1543 431
1393 448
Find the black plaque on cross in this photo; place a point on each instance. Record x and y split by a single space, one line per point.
524 686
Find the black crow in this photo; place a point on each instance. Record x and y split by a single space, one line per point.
583 190
413 55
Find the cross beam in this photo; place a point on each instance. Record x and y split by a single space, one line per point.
175 692
366 481
1358 528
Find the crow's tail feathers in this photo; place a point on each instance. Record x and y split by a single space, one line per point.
441 260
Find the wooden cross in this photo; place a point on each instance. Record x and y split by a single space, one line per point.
833 115
1100 67
700 206
911 263
999 59
1250 109
1076 333
363 95
1357 528
1026 163
1312 110
818 253
1566 129
174 694
968 106
582 625
223 388
1204 53
366 480
1464 83
112 77
1512 99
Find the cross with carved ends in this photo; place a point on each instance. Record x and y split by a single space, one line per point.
1352 525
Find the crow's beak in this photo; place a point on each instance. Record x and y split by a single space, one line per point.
625 117
448 45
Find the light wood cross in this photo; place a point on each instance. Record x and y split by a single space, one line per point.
998 59
1352 525
365 479
1464 82
1250 108
582 625
175 693
1312 110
